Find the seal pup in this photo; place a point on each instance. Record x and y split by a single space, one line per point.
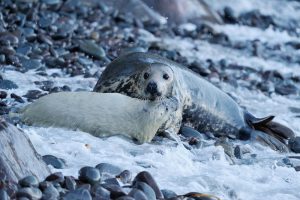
202 105
99 114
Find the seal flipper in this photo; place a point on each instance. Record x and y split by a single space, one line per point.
266 125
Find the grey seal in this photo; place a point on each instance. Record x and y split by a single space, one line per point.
99 114
202 105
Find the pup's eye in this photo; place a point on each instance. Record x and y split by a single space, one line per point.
166 76
146 75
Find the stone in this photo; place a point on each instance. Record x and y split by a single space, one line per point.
29 192
100 192
78 194
56 177
295 144
125 176
92 49
29 181
50 193
7 84
146 189
57 163
17 98
70 183
137 194
89 175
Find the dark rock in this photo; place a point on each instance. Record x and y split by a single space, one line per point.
256 19
168 194
125 176
57 163
238 152
29 181
3 94
17 98
85 186
3 195
7 85
7 50
51 2
108 170
286 88
44 39
44 184
115 190
189 132
146 189
78 194
100 192
29 64
89 175
50 193
92 49
70 183
18 157
146 177
229 16
56 177
112 181
295 144
137 194
33 94
24 50
199 68
7 38
125 198
64 88
30 192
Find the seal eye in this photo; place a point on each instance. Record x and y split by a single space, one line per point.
166 76
146 75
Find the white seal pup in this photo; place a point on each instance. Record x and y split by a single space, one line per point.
201 105
100 114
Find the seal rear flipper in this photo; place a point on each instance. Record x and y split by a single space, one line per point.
269 140
269 127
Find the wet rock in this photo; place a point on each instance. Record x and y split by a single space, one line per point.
92 49
78 194
29 192
137 194
199 68
125 198
112 181
64 88
147 178
115 190
3 195
29 181
108 170
57 163
125 176
168 194
295 144
146 189
7 84
7 38
70 183
286 88
3 94
7 50
256 19
89 175
17 98
229 16
56 177
189 132
45 85
33 94
50 193
100 192
29 64
238 152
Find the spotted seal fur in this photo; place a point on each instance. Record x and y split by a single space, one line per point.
201 104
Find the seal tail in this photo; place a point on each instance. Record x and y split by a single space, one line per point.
266 125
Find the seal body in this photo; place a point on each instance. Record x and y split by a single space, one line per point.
100 114
201 105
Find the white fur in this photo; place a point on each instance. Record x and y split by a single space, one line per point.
100 114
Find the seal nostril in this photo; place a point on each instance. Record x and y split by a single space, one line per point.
152 87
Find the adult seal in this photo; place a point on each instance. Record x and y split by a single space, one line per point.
101 115
201 105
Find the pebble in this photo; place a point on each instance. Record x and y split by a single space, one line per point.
168 194
29 192
92 49
147 178
99 192
29 181
7 84
286 89
17 98
108 170
50 193
78 194
146 189
137 194
189 132
33 94
57 163
125 176
3 94
115 190
3 195
89 175
56 177
70 183
29 64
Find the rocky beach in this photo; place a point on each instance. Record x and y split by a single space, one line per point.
249 49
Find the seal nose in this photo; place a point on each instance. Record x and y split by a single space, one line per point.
152 87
